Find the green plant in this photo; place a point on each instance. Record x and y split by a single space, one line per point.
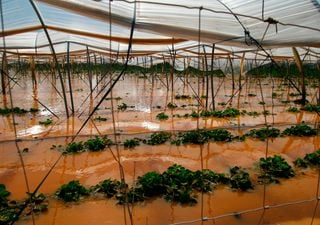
109 187
158 138
74 147
131 143
182 96
72 191
178 182
100 119
97 143
34 110
311 159
171 105
272 168
162 116
264 133
46 122
202 136
312 108
240 179
152 184
194 114
122 107
293 109
300 130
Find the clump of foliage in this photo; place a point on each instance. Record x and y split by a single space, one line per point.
72 191
152 184
34 110
178 182
74 147
202 136
15 110
264 133
171 105
93 144
10 210
206 180
158 138
253 113
100 119
178 96
311 159
162 116
122 107
108 187
131 143
293 109
97 144
194 114
312 108
229 112
46 122
240 179
36 203
300 130
273 168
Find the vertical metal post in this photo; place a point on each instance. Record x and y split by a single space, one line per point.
69 77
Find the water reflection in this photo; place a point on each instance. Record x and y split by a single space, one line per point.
34 130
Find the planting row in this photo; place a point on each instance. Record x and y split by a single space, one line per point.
176 184
199 136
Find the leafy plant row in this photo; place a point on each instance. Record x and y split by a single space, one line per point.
16 110
177 184
181 185
10 210
199 136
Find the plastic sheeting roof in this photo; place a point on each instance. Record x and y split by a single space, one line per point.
162 25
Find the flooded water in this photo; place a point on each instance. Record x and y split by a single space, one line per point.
146 98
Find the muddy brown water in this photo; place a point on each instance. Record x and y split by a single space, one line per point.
139 120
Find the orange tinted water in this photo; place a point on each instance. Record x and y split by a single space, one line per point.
91 168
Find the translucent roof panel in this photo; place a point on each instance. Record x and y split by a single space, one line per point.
158 24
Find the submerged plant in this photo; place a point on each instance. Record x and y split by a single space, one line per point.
171 105
300 130
162 116
240 179
152 184
293 109
158 138
74 147
46 122
178 182
109 187
311 159
97 143
131 143
202 136
122 107
312 108
72 191
273 168
100 119
264 133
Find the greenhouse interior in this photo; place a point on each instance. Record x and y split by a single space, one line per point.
145 112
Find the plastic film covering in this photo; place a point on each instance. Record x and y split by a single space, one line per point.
233 26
